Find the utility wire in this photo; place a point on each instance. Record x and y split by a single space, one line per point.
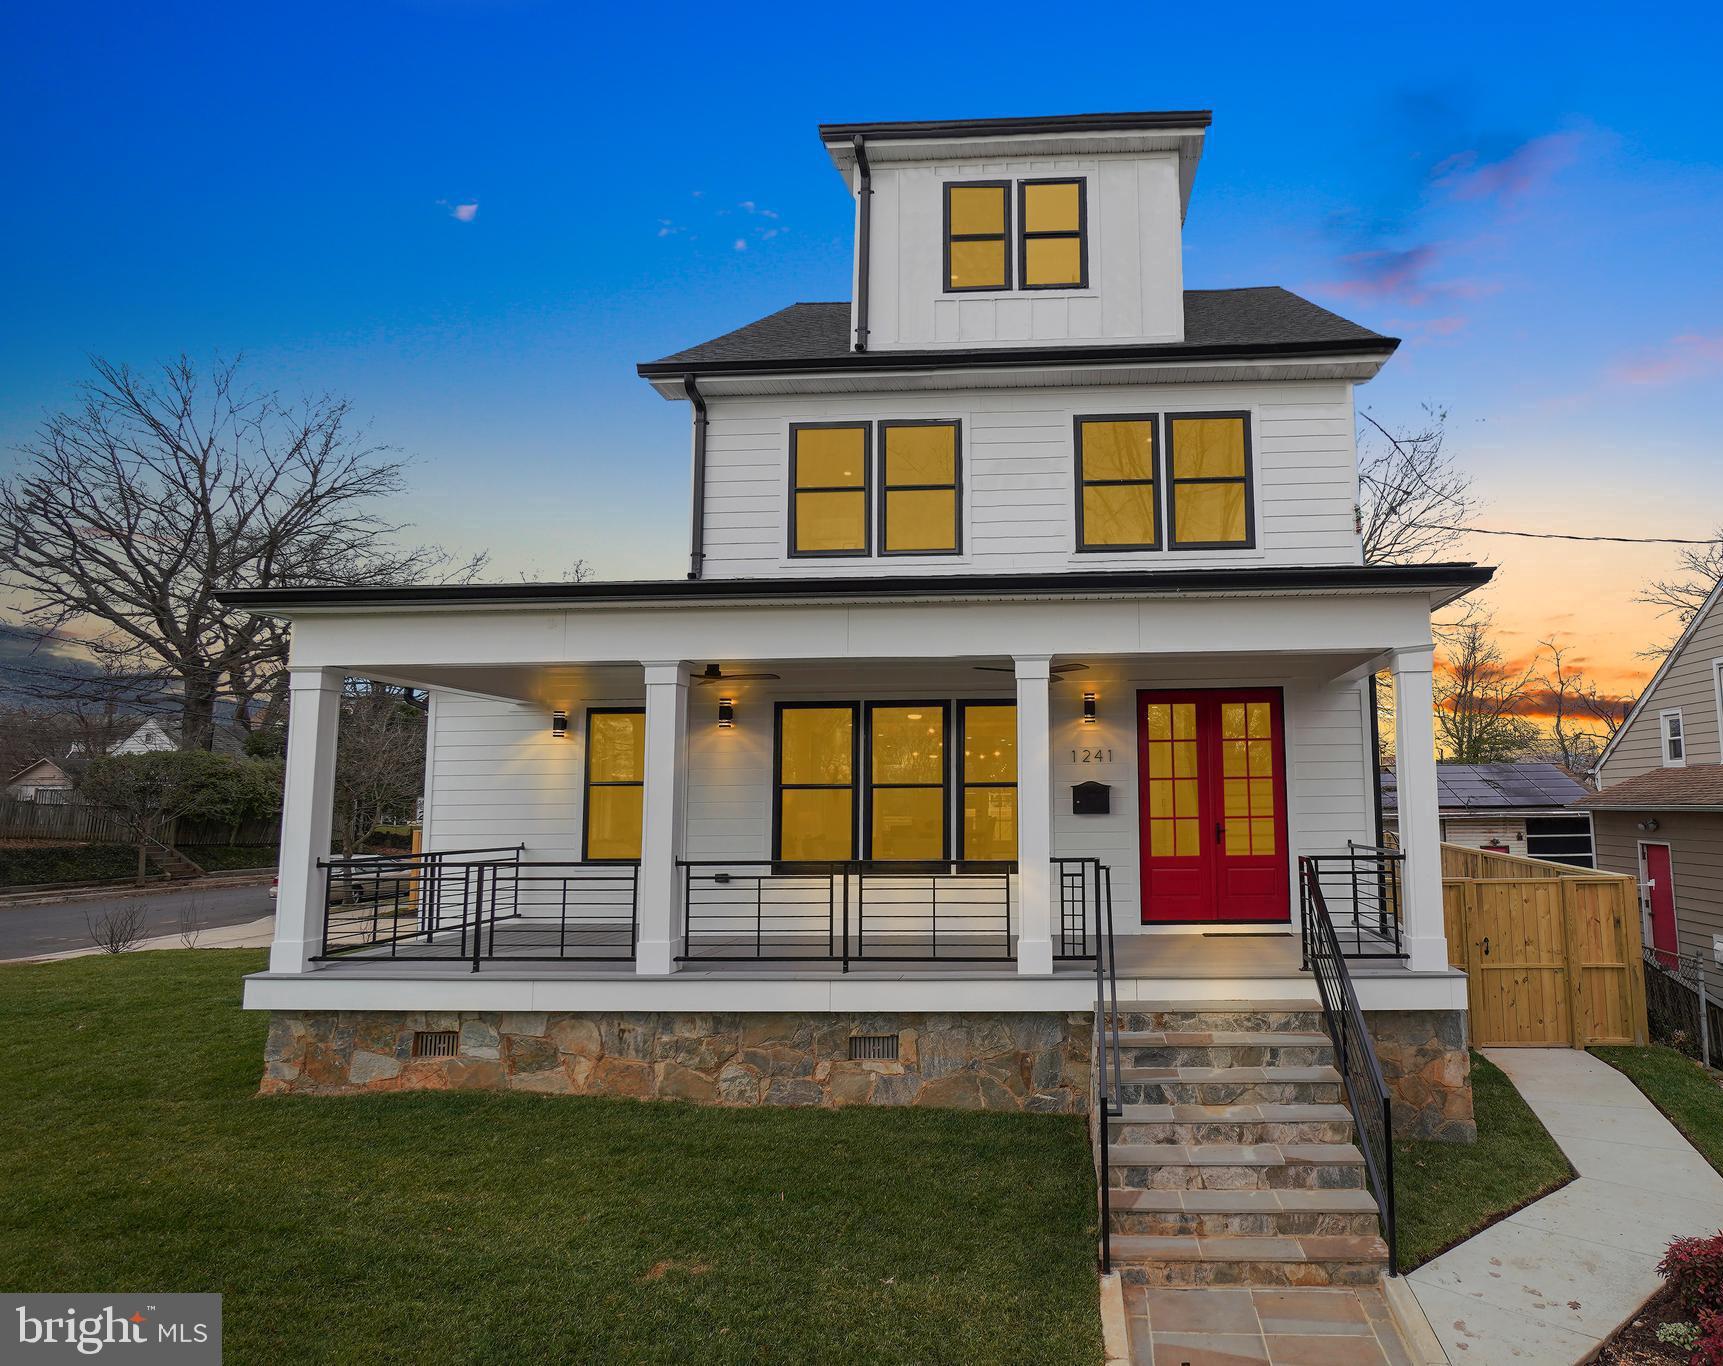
1567 536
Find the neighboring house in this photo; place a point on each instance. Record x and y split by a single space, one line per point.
41 781
1024 587
1513 808
1658 811
156 735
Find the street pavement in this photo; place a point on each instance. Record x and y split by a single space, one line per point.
60 927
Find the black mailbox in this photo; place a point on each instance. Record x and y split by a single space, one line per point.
1091 799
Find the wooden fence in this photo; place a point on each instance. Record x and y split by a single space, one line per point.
1551 952
86 823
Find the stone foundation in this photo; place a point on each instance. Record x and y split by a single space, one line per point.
1429 1072
1036 1062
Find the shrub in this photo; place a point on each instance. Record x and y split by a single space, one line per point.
1708 1350
1694 1269
66 863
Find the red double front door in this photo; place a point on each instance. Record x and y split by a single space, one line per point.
1212 798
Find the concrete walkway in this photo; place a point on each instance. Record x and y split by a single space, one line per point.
1550 1283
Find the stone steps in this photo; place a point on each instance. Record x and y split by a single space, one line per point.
1251 1017
1235 1166
1317 1085
1317 1260
1272 1122
1199 1048
1243 1213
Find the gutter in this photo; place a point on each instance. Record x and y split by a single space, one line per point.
864 196
697 543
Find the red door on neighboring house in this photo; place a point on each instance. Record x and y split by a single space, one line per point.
1659 887
1212 798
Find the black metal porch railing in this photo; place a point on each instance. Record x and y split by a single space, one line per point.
1362 890
742 910
1105 1088
477 906
1354 1050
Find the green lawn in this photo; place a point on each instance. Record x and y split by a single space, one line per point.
1680 1088
1446 1192
436 1227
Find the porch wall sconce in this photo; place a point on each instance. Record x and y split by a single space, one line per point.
1089 717
559 725
726 713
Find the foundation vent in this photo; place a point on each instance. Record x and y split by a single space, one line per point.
873 1048
445 1043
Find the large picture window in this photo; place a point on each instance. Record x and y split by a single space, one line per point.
977 229
1116 504
919 488
815 815
906 818
615 778
1054 248
1209 480
988 780
829 488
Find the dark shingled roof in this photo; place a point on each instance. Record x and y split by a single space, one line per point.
1263 319
1495 787
1695 785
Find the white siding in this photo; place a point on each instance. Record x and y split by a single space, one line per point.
1019 477
1136 283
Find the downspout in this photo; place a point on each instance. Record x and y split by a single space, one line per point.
697 555
864 193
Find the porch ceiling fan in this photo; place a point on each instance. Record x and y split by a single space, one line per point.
1055 669
712 673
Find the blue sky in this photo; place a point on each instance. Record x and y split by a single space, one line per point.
1531 197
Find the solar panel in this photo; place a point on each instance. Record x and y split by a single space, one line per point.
1495 786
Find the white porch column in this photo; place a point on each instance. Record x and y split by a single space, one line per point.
1426 942
307 812
662 817
1034 816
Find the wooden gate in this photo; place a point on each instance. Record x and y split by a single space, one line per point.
1551 953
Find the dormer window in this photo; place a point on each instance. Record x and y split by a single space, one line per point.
1054 249
977 229
829 488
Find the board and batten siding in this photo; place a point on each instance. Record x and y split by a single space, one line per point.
1017 509
1690 685
1695 840
1135 288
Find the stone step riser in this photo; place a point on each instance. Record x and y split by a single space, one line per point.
1225 1055
1221 1022
1231 1131
1271 1224
1290 1176
1249 1273
1230 1092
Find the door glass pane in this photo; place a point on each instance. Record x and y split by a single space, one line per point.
977 209
990 823
1174 785
613 822
1118 450
1248 781
908 744
831 457
1208 448
976 265
921 455
921 519
815 823
618 748
990 744
831 521
816 745
908 823
1053 261
1051 208
1204 513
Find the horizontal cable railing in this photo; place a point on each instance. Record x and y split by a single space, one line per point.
478 905
1362 890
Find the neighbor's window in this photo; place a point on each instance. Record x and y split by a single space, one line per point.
1674 741
615 772
1054 251
977 227
906 781
1116 504
828 488
1560 839
989 780
816 781
918 499
1209 480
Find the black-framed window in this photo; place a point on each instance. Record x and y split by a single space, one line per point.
987 780
1118 507
908 815
1560 839
1209 481
1053 233
829 488
977 235
920 487
615 785
816 765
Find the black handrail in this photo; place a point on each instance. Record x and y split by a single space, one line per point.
1108 1105
1354 1049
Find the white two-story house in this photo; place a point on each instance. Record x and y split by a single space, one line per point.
1026 630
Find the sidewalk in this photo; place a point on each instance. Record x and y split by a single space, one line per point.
1550 1283
255 934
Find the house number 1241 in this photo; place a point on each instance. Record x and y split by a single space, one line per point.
1092 756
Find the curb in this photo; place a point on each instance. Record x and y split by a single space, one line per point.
1414 1327
1113 1332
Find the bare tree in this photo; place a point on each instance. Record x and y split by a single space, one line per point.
1699 568
379 759
134 511
191 920
1582 718
1414 501
118 930
1480 700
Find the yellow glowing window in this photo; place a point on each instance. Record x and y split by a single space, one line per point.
615 772
1116 504
1247 777
989 781
906 781
1209 479
1055 249
976 232
816 782
919 488
1172 780
828 489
